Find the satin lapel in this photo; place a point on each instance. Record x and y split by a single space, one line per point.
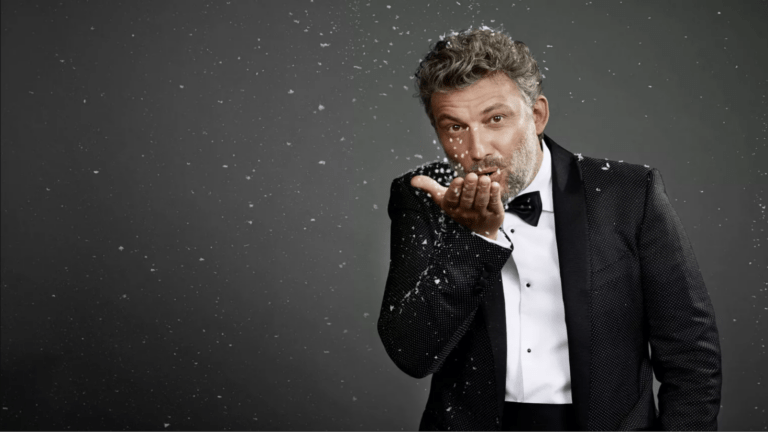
496 324
572 251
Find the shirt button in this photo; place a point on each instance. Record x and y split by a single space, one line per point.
512 230
529 350
528 284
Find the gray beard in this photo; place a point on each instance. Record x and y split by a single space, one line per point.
521 169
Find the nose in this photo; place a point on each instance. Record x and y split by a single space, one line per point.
478 146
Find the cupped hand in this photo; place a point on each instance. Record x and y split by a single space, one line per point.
472 202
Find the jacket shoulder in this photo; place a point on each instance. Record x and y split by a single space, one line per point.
595 165
621 177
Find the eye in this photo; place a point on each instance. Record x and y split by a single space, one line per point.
455 128
496 118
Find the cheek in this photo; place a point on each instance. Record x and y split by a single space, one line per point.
456 148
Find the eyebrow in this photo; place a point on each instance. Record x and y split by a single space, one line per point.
442 117
495 106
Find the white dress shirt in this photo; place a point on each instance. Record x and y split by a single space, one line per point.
538 369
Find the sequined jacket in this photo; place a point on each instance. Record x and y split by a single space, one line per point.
629 278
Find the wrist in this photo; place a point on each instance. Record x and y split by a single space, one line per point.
490 234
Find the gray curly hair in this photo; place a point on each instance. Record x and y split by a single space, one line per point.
464 57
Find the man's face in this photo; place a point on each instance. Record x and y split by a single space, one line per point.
487 127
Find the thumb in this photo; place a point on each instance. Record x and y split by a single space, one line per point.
430 186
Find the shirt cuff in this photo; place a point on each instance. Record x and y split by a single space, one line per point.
498 241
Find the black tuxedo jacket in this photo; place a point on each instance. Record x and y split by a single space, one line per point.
629 278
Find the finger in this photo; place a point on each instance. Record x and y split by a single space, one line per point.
430 186
483 193
468 191
494 204
453 193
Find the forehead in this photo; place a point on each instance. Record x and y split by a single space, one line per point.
496 88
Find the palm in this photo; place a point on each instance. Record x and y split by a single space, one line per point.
473 202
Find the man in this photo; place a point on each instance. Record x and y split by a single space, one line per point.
536 313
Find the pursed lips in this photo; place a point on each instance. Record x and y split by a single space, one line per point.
488 172
494 174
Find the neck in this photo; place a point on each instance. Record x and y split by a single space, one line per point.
539 159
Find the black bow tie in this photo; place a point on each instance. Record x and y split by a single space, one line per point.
527 206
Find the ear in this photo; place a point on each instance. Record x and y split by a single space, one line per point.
541 113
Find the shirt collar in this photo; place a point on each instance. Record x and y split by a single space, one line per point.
543 181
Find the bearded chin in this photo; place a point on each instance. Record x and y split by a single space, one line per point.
514 185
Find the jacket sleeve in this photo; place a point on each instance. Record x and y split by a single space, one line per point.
685 348
438 273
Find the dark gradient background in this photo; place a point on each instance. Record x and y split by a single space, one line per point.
194 226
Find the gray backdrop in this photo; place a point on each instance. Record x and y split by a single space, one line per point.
194 227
